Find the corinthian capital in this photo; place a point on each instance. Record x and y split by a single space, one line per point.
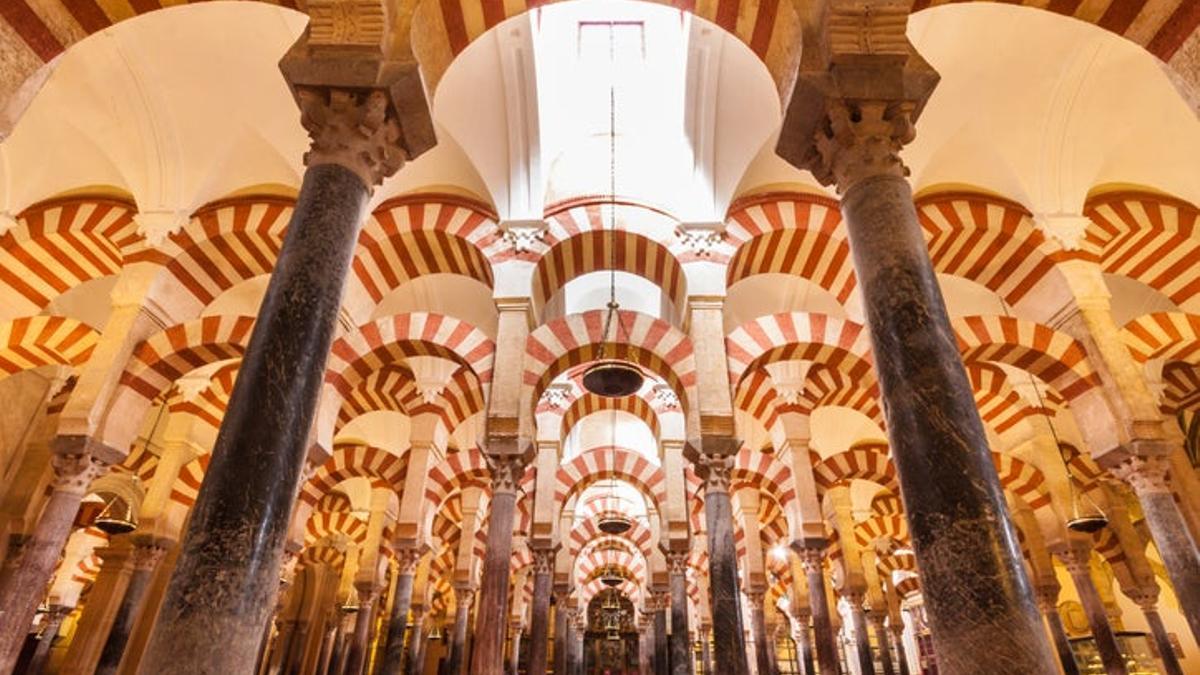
506 472
74 473
1146 475
863 139
353 129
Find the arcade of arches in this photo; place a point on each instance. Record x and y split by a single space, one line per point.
297 302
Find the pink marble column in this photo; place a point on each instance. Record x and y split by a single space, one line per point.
539 624
357 659
464 596
25 586
487 654
811 558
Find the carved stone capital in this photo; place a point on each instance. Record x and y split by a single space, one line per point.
464 595
677 561
812 558
506 472
1146 475
353 129
1145 597
75 473
407 558
862 139
147 556
543 561
717 472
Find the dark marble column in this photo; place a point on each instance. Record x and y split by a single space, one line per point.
146 557
1180 554
862 640
487 654
463 597
224 584
416 643
52 622
1147 601
1076 561
977 595
877 620
393 654
327 647
730 642
898 640
681 647
570 654
645 644
1047 597
577 644
661 650
539 623
356 660
758 628
811 558
560 631
25 585
804 651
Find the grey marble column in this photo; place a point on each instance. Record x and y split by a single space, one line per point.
327 646
487 653
1047 598
901 654
463 597
539 622
758 628
804 651
862 640
416 643
1076 561
25 585
224 584
577 647
730 642
514 654
570 654
877 621
356 660
146 557
978 598
811 556
681 648
393 653
52 622
1148 478
1147 601
661 651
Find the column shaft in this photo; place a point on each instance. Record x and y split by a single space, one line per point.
762 647
560 633
487 654
145 559
862 640
416 646
730 642
539 624
224 585
356 661
1166 652
1093 606
54 619
804 647
901 653
458 644
661 653
393 655
885 651
681 648
1062 643
979 601
705 650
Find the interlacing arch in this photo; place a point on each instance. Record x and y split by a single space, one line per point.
603 463
60 244
790 234
1056 358
351 460
1150 237
868 460
418 235
572 340
35 341
225 243
989 240
799 336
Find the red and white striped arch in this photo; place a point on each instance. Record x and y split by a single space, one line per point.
457 470
761 214
893 525
603 463
826 386
989 240
602 250
576 339
1170 336
1150 237
419 235
1181 389
586 530
61 244
821 258
756 396
209 405
999 405
588 403
35 341
187 485
763 473
166 356
352 461
1022 479
321 525
864 461
391 387
800 336
1056 358
323 555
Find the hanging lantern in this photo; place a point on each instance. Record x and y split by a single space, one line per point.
614 523
436 633
613 379
116 518
1089 523
611 577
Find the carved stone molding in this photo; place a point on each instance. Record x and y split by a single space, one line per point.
1146 475
75 473
543 561
677 561
812 559
353 129
407 559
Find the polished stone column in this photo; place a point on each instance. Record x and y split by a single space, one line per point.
645 644
730 642
862 640
327 647
811 557
1147 600
539 623
681 647
1148 478
977 595
570 654
356 660
406 567
464 595
514 654
224 584
1047 597
898 640
487 654
416 643
705 650
800 636
877 620
560 631
51 623
577 643
25 585
146 556
662 657
758 628
1076 560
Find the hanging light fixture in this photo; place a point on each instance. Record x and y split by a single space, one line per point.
612 521
609 377
611 576
1093 519
117 517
